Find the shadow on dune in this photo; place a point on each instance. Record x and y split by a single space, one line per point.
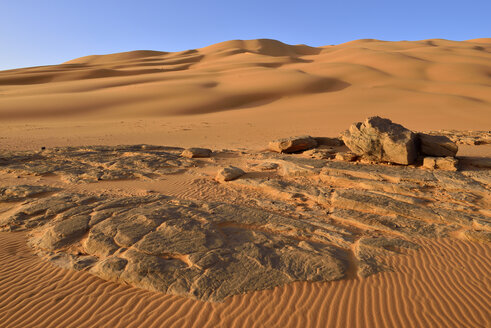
250 100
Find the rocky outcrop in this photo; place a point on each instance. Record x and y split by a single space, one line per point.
98 163
292 217
292 144
381 140
435 145
202 250
465 137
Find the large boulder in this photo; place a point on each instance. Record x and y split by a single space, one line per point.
381 140
434 145
292 144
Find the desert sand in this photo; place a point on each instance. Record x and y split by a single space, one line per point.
144 234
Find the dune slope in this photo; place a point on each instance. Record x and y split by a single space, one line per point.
437 77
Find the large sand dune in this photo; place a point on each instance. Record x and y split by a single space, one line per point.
431 80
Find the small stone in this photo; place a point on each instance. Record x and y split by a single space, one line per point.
429 163
196 153
292 144
229 173
440 163
447 163
267 166
346 156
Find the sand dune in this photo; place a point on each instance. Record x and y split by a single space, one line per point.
429 76
448 278
235 91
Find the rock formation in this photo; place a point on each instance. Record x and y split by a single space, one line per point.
381 140
229 173
292 144
434 145
293 217
196 153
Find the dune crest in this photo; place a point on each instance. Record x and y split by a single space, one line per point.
430 76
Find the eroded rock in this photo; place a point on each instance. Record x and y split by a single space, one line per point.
292 144
229 173
381 140
307 219
196 153
435 145
201 250
441 163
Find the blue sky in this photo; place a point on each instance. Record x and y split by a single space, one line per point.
42 32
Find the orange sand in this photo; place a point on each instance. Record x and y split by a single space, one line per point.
444 284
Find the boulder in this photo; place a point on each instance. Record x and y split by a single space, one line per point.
196 153
434 145
381 140
229 173
292 144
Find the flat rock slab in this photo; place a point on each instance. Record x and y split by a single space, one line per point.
203 250
21 192
97 163
196 153
292 144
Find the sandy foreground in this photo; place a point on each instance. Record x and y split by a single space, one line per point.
234 97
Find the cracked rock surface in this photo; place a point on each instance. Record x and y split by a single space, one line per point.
288 218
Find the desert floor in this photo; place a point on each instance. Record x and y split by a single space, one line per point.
234 97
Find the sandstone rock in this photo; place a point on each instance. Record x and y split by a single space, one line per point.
479 236
203 250
18 193
267 166
292 144
447 163
466 137
346 156
438 146
96 163
196 153
381 140
441 163
229 173
304 222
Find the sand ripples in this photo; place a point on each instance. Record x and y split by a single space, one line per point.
444 284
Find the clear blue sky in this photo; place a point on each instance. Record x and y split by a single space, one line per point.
41 32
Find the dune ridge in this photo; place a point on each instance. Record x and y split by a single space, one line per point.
433 74
449 277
